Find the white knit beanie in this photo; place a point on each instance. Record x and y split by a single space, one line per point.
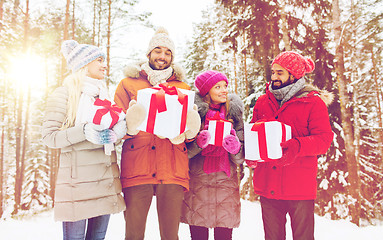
79 55
161 39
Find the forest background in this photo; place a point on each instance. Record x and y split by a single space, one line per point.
237 37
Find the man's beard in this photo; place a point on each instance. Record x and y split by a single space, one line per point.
280 86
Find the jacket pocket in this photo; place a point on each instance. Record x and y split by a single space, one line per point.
135 158
180 164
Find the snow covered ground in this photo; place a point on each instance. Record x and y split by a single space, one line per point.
43 227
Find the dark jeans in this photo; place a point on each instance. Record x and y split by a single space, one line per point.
78 230
274 218
202 233
138 200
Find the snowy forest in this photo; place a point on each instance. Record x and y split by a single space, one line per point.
237 37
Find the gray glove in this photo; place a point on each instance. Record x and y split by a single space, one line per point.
97 135
120 129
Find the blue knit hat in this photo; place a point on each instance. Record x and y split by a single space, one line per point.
79 55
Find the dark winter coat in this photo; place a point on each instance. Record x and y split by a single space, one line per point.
146 158
87 183
213 199
308 117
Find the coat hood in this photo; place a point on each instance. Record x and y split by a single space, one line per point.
326 96
133 70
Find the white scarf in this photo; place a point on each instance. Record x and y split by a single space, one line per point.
156 77
91 89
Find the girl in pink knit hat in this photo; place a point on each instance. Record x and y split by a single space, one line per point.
213 200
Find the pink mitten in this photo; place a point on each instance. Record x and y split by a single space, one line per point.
231 143
203 139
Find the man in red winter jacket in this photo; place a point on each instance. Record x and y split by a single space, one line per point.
288 185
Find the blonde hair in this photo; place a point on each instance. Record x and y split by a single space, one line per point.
73 83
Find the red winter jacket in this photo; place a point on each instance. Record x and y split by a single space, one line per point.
307 115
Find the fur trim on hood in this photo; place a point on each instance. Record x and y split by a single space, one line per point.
235 106
133 70
325 95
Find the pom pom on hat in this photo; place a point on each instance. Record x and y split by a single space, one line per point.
294 63
161 39
206 80
79 55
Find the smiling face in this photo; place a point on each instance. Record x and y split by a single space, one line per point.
96 68
160 58
218 93
280 77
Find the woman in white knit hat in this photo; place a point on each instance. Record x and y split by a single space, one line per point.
88 188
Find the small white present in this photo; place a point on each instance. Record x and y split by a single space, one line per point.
105 113
166 109
263 139
218 129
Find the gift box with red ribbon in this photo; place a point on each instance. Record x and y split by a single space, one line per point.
166 107
263 139
105 113
218 129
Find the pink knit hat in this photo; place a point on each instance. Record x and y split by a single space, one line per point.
206 80
295 63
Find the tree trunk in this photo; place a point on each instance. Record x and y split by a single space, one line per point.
246 74
15 12
73 19
352 165
18 152
378 101
108 42
94 22
65 37
284 27
2 172
99 23
19 127
25 141
1 13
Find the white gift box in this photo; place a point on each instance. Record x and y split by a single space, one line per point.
105 114
218 129
263 139
165 114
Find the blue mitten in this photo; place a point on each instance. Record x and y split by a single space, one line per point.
95 134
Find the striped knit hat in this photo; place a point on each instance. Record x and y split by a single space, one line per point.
294 63
79 55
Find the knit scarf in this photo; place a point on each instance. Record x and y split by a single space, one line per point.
91 89
156 77
216 157
286 93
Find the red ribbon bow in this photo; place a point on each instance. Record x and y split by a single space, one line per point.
219 127
157 103
107 106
